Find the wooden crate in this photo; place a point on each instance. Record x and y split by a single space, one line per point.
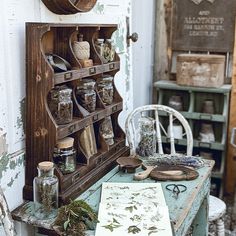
201 70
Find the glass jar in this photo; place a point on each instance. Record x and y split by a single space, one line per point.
206 133
176 102
86 95
99 45
65 155
45 192
109 50
61 105
147 137
106 131
106 89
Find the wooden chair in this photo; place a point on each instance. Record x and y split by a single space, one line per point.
5 216
217 207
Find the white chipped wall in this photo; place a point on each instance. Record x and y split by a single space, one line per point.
13 15
143 22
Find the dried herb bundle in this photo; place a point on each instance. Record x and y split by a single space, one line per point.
46 197
75 218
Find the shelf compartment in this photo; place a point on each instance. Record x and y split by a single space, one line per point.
218 129
166 94
219 100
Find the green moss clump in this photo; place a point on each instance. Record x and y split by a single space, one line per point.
75 218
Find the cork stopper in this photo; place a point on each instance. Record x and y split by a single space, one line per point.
45 165
65 143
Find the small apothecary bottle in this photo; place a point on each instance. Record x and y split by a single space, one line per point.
61 105
45 192
99 45
109 51
65 155
106 131
147 137
106 89
86 95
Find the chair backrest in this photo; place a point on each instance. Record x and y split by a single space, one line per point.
131 127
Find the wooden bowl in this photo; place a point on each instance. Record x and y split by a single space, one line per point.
129 164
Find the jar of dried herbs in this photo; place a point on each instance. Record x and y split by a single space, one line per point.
106 131
106 89
61 105
86 95
147 137
65 155
45 192
109 50
99 45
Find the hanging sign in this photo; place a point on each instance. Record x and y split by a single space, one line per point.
203 25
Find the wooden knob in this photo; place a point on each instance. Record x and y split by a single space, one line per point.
133 37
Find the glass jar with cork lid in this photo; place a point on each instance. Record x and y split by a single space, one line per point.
65 155
45 191
86 95
61 105
106 89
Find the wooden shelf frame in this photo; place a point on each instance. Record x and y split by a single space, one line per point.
42 132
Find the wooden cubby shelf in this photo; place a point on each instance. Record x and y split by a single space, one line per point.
42 131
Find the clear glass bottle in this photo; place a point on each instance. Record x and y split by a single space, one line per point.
109 50
99 45
45 191
61 105
86 95
106 131
147 137
106 89
65 155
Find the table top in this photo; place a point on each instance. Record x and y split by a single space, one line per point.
182 210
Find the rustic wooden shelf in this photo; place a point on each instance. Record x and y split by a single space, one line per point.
42 131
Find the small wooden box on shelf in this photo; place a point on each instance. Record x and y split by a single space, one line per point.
193 99
43 132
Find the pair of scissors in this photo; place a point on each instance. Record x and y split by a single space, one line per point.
176 189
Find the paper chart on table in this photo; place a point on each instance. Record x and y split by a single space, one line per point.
117 219
133 192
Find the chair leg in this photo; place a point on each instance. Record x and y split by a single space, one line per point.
220 227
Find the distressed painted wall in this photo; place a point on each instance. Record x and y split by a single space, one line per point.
14 14
143 50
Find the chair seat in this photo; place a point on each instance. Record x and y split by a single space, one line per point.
217 208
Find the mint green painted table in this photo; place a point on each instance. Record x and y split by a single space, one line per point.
190 209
